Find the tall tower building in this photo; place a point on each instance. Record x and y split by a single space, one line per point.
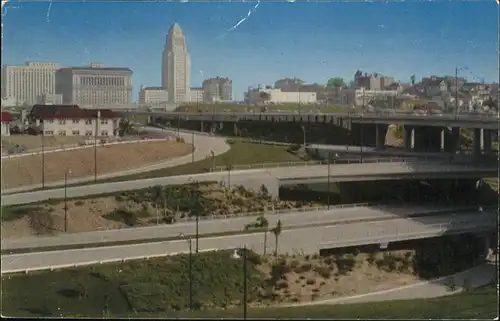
176 66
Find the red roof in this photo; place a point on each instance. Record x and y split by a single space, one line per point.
6 117
69 112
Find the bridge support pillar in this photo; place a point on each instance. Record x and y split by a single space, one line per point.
380 133
408 137
150 119
455 139
486 140
202 126
236 129
476 142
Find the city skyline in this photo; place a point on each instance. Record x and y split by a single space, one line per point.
266 47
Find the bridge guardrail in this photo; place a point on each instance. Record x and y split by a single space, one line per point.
361 115
314 209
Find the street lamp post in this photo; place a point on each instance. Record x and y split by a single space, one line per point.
329 161
245 287
190 270
43 158
245 282
192 143
66 173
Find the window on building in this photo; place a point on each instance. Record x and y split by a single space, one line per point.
89 133
76 121
104 133
88 122
62 133
104 121
49 132
62 121
76 133
49 121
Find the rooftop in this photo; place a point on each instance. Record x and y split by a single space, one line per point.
69 112
6 117
88 68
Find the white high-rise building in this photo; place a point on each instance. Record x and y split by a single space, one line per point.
176 66
26 83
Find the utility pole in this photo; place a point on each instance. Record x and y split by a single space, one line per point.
456 92
43 157
245 283
329 161
190 275
95 145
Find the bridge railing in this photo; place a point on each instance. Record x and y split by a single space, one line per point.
438 208
354 114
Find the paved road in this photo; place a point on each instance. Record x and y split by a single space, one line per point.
272 177
290 219
307 240
204 145
478 276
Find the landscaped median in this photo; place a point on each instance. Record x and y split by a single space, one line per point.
160 287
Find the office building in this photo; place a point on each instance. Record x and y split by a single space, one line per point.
217 89
153 95
176 66
372 81
196 94
26 83
50 99
95 85
261 96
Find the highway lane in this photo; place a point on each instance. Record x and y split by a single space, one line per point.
291 219
307 240
271 177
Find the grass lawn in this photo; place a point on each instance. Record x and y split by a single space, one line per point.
241 153
480 304
159 288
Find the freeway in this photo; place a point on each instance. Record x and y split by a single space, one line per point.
450 119
292 218
273 177
307 240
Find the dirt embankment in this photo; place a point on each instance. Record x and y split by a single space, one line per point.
27 170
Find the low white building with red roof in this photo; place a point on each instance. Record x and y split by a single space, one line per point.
6 120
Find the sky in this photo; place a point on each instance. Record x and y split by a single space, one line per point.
311 41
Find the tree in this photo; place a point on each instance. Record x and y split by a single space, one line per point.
156 192
229 167
335 82
126 128
263 223
412 79
277 231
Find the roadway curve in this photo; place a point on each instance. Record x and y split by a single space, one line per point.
297 218
204 146
307 240
272 177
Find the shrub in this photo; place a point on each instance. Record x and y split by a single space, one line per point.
310 281
79 203
303 268
324 271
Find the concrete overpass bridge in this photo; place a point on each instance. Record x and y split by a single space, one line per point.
308 240
421 133
272 178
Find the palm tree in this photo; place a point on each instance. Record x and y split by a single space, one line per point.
156 193
229 167
277 231
263 223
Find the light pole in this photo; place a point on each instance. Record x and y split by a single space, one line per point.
457 69
95 146
66 173
190 270
245 287
197 234
43 158
329 161
192 143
